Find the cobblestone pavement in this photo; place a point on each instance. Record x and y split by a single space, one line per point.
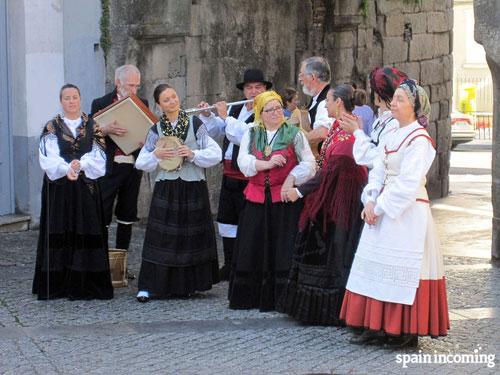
200 335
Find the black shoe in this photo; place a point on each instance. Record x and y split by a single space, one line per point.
404 341
224 272
368 337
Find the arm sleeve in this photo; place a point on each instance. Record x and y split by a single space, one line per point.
246 161
209 153
235 129
311 185
147 160
364 151
215 126
93 163
306 168
322 118
402 192
375 182
49 158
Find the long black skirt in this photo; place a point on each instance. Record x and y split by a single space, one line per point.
72 254
263 254
320 269
180 253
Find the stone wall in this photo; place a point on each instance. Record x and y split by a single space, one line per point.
487 33
202 48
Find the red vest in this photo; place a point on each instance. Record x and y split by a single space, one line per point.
255 190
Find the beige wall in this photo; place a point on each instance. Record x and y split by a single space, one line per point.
469 59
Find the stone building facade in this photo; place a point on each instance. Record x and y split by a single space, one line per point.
202 47
487 33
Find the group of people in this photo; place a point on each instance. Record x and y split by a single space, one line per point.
331 226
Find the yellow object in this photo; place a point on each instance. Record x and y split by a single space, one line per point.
467 99
261 100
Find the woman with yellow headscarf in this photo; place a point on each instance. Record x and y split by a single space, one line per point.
275 156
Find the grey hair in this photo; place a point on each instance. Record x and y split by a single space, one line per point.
317 66
123 71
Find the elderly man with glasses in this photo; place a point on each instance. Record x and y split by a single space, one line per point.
314 77
122 180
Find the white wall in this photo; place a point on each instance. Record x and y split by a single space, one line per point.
83 57
50 42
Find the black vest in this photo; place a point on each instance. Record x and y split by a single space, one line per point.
74 148
312 111
235 112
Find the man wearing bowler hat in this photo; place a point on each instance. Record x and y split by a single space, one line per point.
231 125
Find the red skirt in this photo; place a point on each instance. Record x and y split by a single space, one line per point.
428 316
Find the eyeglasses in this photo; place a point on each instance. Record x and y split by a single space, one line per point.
132 86
273 110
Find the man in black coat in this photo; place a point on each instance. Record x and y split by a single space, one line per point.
122 180
315 76
231 125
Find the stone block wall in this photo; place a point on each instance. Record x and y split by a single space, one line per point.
202 47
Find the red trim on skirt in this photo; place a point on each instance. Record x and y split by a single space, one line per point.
428 316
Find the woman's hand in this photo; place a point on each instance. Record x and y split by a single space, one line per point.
75 165
286 187
368 214
71 174
186 152
291 195
276 160
350 123
165 153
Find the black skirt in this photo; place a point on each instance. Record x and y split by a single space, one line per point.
320 269
179 253
72 253
263 254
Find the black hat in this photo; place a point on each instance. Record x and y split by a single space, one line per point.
254 75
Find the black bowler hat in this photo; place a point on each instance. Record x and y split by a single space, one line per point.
253 75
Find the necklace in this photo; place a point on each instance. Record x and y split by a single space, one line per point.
180 131
268 149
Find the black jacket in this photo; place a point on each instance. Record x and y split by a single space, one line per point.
97 105
321 97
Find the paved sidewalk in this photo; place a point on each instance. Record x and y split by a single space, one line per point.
201 335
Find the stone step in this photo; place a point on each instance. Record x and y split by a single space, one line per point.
14 223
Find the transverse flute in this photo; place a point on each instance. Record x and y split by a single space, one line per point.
191 111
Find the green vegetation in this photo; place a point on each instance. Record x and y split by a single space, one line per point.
104 26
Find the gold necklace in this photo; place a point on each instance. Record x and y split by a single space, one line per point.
268 149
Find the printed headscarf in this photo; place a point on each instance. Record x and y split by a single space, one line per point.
419 99
261 100
384 81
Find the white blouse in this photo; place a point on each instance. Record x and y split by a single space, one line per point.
365 148
401 192
93 163
233 128
303 171
207 156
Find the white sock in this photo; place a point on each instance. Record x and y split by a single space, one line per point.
143 293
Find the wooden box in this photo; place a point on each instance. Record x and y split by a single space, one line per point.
131 114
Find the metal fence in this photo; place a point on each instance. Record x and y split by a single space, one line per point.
483 123
482 82
482 114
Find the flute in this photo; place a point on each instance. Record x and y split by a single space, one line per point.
190 111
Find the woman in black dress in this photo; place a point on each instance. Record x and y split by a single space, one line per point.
179 255
330 224
275 155
72 255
